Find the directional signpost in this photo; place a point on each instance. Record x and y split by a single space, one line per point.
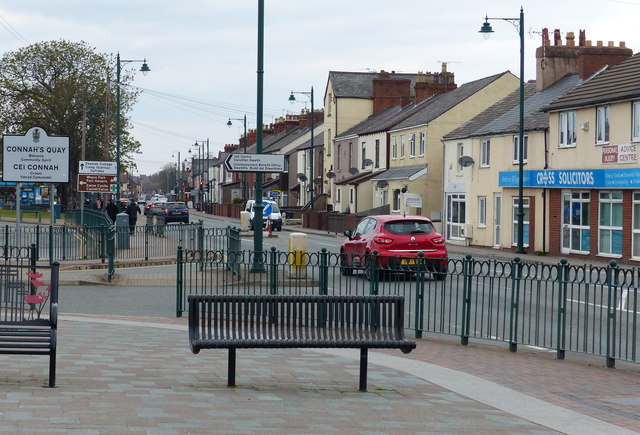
96 183
255 163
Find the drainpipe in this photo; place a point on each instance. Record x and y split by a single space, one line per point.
544 194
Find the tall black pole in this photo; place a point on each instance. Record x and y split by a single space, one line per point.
118 127
258 261
520 240
313 187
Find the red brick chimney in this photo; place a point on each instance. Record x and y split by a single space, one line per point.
305 118
430 84
555 61
389 91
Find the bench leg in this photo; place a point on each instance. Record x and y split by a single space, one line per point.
231 369
364 357
52 360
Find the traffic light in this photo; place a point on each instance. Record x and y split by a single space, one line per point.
201 183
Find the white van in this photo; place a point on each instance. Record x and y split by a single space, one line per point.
275 217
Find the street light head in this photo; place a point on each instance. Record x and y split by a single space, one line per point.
229 124
145 68
486 29
292 98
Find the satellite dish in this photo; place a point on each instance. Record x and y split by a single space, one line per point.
465 161
368 162
353 171
317 180
302 177
331 174
382 184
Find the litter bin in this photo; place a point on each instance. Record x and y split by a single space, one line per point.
57 210
122 230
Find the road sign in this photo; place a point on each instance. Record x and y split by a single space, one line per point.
96 183
93 167
255 163
268 208
36 157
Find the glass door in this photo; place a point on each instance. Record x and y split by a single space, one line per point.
497 209
576 233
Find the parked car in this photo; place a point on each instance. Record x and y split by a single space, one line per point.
176 212
275 216
398 241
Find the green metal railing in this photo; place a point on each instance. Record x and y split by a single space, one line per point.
582 309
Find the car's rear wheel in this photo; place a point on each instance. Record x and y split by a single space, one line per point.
439 272
368 273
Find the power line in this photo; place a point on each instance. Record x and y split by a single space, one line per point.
13 31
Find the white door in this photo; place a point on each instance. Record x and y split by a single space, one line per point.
497 210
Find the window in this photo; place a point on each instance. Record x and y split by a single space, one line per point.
394 147
636 226
423 139
568 129
384 197
635 124
338 167
364 153
402 143
460 154
377 161
525 221
516 149
610 223
485 153
350 155
602 123
351 196
338 194
329 142
308 159
412 145
482 211
396 200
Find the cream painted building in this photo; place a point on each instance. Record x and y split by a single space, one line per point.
416 151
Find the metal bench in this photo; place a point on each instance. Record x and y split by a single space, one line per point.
28 327
273 321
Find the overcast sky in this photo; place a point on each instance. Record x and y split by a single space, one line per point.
203 53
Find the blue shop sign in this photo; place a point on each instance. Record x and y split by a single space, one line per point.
575 178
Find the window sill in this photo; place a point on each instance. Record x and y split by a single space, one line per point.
612 256
485 166
566 146
599 144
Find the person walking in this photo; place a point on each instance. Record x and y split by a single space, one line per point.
133 211
112 210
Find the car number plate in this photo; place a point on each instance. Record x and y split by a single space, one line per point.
406 261
175 212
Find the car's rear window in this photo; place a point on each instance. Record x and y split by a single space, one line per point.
409 227
275 208
176 207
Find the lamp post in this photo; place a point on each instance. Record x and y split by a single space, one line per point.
486 31
178 175
200 170
145 70
292 99
244 174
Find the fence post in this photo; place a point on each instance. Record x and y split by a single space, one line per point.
64 242
612 285
111 251
324 272
33 257
467 268
562 308
103 244
50 245
6 243
146 241
179 282
200 237
516 276
419 322
273 271
37 242
373 273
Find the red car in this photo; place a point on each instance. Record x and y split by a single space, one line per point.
398 240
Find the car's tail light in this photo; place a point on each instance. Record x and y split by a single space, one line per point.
438 240
383 240
186 211
166 211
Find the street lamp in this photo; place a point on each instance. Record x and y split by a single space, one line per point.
145 70
178 174
292 100
486 31
244 174
200 169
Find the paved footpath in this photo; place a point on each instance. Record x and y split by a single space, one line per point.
125 375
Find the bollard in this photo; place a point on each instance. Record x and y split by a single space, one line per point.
122 230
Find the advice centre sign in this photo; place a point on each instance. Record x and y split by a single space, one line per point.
36 157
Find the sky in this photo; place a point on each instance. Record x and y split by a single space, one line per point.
203 53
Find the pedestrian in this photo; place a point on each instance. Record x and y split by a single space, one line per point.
112 211
133 211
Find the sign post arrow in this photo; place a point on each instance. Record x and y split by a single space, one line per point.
270 163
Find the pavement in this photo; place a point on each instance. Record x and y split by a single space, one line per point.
120 374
